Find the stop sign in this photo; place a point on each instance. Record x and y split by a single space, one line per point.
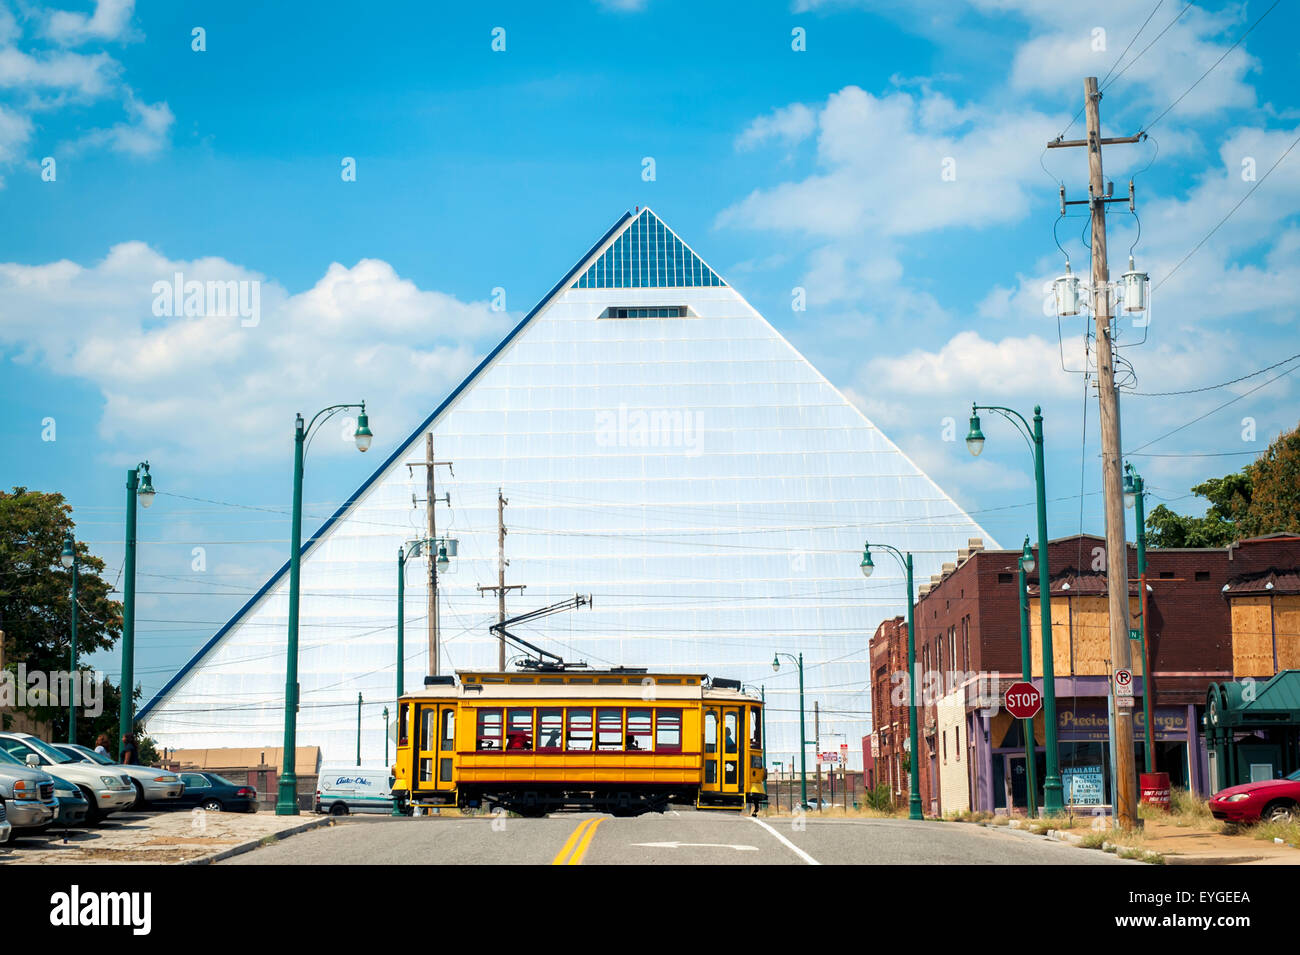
1023 700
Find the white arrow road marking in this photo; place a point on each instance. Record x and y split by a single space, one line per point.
695 845
786 842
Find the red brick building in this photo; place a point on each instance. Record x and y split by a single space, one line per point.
1214 614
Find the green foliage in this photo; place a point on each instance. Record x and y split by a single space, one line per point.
879 798
1261 498
36 603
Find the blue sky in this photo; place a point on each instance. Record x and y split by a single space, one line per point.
820 169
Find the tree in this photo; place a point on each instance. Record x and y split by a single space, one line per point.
1261 498
36 604
1275 501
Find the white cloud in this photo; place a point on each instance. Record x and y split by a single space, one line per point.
790 124
219 393
144 134
899 165
84 77
110 21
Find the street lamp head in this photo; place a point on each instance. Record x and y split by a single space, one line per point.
69 556
363 436
975 439
776 662
867 565
442 558
146 492
1027 557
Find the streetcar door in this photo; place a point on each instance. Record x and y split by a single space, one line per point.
712 750
426 745
731 759
446 748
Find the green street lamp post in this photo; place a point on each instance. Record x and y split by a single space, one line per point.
138 487
803 734
1025 564
975 444
914 761
287 800
1134 495
385 736
69 560
358 727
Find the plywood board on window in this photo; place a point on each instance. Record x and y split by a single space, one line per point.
1252 636
1090 634
1060 636
1286 630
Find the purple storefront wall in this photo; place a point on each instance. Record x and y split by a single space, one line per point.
1081 716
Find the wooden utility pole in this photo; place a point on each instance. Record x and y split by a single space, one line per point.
1111 465
501 587
430 498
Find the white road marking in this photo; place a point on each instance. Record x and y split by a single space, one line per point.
695 845
786 842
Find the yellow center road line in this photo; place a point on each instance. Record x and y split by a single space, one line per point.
578 853
561 858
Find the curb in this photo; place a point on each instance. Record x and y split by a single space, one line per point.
252 844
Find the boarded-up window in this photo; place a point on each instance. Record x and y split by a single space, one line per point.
1286 630
1252 636
1090 631
1060 636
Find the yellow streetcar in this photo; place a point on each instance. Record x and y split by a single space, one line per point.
548 738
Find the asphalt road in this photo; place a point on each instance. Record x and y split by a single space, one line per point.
682 837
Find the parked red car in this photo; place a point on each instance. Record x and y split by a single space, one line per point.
1273 799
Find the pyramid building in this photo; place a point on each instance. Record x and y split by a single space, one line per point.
662 448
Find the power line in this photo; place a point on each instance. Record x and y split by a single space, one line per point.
1211 69
1225 384
1212 411
1248 194
1151 44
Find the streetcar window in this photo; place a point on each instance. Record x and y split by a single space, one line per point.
448 730
609 729
427 716
755 730
426 769
579 730
730 722
711 732
519 729
668 731
489 729
550 730
638 730
403 714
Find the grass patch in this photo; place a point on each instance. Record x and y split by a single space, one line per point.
268 840
1000 821
968 815
1288 832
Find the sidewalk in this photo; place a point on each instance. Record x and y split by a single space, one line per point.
1185 845
157 838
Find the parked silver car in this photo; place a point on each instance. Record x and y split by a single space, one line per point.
104 789
6 830
27 796
151 784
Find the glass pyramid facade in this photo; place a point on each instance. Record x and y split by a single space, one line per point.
663 449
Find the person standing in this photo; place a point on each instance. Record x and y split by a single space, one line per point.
101 744
130 755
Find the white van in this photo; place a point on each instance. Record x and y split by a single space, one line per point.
344 789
